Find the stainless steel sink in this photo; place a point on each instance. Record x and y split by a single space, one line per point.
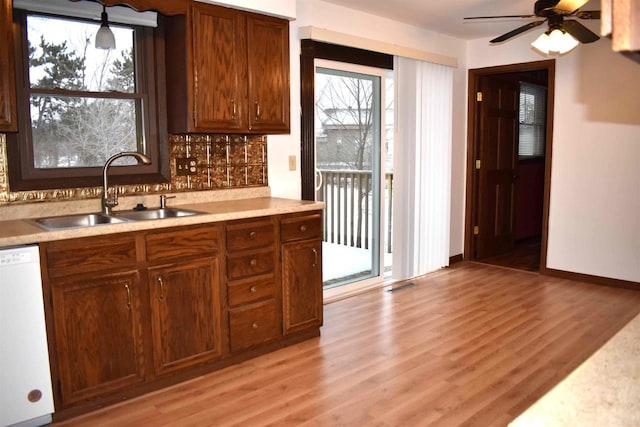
159 213
93 219
75 221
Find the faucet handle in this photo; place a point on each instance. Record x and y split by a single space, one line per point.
163 200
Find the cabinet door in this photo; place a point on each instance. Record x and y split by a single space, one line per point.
219 68
186 313
302 285
8 121
98 334
268 59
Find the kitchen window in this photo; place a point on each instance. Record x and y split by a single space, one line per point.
79 105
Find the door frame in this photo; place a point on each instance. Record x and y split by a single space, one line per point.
473 139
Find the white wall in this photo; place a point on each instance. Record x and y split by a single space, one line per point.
594 219
325 15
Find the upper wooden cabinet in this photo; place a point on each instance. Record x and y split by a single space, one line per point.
227 71
8 119
268 60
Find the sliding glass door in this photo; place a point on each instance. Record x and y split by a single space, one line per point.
351 153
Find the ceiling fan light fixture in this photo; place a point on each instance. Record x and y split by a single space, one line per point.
555 42
104 37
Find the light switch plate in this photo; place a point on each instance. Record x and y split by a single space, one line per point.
292 163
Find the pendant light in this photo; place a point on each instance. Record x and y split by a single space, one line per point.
104 36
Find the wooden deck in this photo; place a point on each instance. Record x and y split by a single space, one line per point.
468 345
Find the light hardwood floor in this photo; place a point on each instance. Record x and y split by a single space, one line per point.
468 345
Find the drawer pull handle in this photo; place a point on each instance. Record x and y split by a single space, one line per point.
253 234
126 287
234 109
315 257
255 325
303 228
161 286
253 289
253 262
258 112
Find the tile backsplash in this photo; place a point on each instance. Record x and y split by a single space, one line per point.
221 161
213 161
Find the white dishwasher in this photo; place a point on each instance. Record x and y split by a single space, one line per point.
26 397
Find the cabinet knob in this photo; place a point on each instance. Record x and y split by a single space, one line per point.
255 325
253 234
303 228
253 290
253 262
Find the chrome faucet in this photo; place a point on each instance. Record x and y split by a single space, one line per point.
110 202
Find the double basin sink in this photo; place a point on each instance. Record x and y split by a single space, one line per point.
93 219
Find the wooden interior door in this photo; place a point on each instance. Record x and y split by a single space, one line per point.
498 142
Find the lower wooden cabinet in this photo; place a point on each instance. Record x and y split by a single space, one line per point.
185 314
254 324
301 237
98 332
301 285
132 312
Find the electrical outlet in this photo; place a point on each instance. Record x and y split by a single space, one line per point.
186 166
292 163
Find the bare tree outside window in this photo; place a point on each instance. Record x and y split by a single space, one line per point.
83 102
345 108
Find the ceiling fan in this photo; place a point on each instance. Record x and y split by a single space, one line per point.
554 13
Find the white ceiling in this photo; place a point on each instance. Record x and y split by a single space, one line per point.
447 16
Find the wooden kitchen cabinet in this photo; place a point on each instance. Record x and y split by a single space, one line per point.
95 293
301 272
184 295
227 71
8 114
132 312
185 310
253 294
98 331
268 74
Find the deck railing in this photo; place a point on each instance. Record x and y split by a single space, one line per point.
348 218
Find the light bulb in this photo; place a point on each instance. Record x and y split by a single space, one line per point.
555 42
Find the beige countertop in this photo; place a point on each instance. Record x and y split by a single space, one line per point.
603 391
15 232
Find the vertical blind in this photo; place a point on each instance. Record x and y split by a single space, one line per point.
422 167
533 111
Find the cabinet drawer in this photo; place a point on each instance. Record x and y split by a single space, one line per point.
250 235
250 291
301 227
182 243
91 254
253 264
254 324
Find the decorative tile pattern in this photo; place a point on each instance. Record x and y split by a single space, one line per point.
221 161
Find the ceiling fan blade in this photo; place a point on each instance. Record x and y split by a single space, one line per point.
517 31
569 6
579 31
588 14
500 16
